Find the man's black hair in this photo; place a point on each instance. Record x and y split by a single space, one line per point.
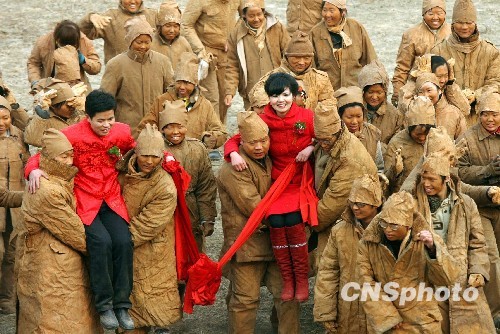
98 101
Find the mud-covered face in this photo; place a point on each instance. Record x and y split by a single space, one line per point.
65 158
147 163
141 44
256 149
490 120
435 17
64 111
5 121
299 63
419 134
175 133
393 231
183 88
170 31
464 29
326 143
362 211
433 183
375 95
353 118
255 17
332 15
131 6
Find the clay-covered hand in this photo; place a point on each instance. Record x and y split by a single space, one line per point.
451 71
494 194
398 166
210 141
100 21
476 280
394 100
470 95
330 327
79 89
494 167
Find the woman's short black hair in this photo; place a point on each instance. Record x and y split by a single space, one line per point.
353 104
67 33
437 61
426 126
98 101
278 82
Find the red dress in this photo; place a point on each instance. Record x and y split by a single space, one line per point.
97 177
286 142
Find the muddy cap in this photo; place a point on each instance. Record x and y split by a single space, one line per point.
373 73
64 92
251 126
436 164
421 111
398 209
366 189
173 112
252 3
347 95
258 97
150 142
54 142
169 12
338 3
300 45
489 101
425 77
464 11
326 119
137 26
5 104
429 4
187 68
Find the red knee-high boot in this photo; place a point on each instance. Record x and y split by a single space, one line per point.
297 241
284 261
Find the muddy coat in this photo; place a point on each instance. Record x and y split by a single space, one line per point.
337 267
201 120
315 82
245 64
37 125
114 33
41 61
20 117
151 200
202 191
451 118
172 50
465 242
13 155
10 199
347 160
352 58
415 42
376 263
53 285
135 83
302 15
370 136
411 152
389 120
240 192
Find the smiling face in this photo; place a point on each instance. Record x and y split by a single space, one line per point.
490 120
435 17
299 63
256 149
147 163
5 121
282 103
184 89
102 122
331 14
254 16
362 211
170 31
464 29
353 118
131 6
434 184
141 44
175 133
375 95
430 90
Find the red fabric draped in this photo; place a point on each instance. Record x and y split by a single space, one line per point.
308 198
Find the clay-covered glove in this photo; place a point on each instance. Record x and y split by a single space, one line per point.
398 166
451 71
210 141
494 194
494 167
79 89
207 228
394 100
81 58
476 280
44 99
78 102
100 21
470 95
330 326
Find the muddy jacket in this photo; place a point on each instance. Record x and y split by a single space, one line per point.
416 42
53 285
476 69
136 84
316 84
10 199
370 136
37 125
466 243
172 51
208 23
202 190
20 117
389 120
451 118
376 263
334 173
114 33
240 192
41 61
343 72
411 152
302 15
13 155
474 166
202 120
337 267
245 64
151 200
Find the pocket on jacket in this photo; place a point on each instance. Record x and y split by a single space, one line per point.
57 248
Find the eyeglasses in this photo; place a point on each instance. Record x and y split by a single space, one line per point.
358 204
384 225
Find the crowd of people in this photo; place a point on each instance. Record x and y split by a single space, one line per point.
377 196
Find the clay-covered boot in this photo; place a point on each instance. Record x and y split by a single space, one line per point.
296 236
284 261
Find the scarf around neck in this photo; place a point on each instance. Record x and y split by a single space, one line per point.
258 34
466 47
339 29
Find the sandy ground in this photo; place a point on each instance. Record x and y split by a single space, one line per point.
22 21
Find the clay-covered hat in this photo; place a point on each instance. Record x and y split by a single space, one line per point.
429 4
137 26
251 3
342 4
366 189
64 92
169 12
5 104
258 97
464 11
373 73
326 119
421 111
423 78
150 142
173 112
187 68
54 142
489 101
436 164
398 209
347 95
300 45
251 126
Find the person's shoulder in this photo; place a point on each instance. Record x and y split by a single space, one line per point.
320 73
196 144
490 45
